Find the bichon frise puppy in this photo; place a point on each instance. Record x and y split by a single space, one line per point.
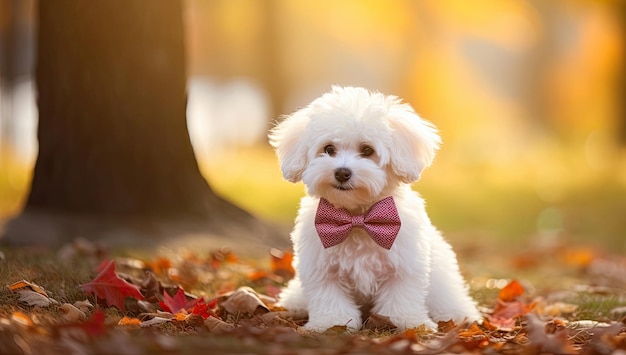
363 243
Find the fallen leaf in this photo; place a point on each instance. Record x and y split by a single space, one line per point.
559 308
581 257
282 318
509 308
154 322
23 284
379 323
473 337
336 330
557 343
185 275
296 316
22 319
33 298
511 291
84 306
244 300
111 288
151 288
445 326
218 326
224 255
94 326
71 313
281 263
174 304
203 309
472 331
160 265
129 321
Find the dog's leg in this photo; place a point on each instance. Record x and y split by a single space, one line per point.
403 300
329 306
291 297
448 298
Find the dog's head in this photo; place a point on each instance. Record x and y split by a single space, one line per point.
351 145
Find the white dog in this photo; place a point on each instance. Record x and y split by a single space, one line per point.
357 152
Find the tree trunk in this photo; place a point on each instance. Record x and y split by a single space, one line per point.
113 140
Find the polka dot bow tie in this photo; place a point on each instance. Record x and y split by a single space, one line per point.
381 222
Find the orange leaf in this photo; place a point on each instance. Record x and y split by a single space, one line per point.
129 321
582 257
22 319
181 316
281 263
511 291
257 275
472 331
160 266
28 285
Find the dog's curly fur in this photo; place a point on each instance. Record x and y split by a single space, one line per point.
385 146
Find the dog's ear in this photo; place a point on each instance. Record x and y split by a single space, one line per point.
415 142
287 139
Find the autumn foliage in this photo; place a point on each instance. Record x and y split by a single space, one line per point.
216 297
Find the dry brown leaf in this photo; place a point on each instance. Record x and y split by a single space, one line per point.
379 322
244 300
71 314
84 306
154 322
558 308
541 341
216 325
288 315
33 298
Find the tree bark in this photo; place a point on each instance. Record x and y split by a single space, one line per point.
113 140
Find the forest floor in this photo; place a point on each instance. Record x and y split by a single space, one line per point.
544 294
85 299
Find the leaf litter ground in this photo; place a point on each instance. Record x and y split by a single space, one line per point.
557 299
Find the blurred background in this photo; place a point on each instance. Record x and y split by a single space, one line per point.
528 95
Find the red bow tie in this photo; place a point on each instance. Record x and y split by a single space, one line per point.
381 222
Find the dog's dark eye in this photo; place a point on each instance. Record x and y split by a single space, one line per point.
330 150
366 151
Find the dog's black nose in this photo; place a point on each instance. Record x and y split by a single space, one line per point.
343 174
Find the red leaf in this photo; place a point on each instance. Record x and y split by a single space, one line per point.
95 324
174 304
111 288
179 303
202 309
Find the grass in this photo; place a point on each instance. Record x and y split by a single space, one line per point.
598 307
61 280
